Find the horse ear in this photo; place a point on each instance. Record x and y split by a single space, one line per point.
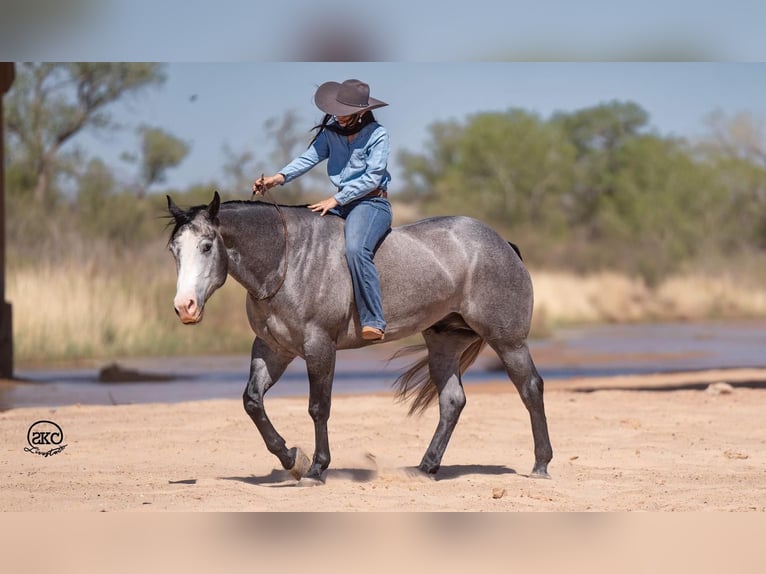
212 209
174 210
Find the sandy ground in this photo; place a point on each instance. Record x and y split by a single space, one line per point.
651 443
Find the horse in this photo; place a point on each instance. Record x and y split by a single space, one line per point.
451 278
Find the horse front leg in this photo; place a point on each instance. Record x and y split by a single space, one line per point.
266 366
320 363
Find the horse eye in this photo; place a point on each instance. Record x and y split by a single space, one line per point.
206 247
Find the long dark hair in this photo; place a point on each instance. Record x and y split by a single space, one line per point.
366 118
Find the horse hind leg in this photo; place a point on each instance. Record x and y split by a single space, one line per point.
528 382
445 350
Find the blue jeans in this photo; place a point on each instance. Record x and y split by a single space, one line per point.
368 221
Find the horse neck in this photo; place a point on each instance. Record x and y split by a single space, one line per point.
254 237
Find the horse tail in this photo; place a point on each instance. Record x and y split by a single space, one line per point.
415 383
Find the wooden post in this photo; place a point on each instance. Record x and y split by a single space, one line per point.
7 74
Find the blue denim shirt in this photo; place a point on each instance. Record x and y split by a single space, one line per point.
356 168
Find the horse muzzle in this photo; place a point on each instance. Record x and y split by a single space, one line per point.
189 312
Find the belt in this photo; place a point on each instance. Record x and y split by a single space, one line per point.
377 192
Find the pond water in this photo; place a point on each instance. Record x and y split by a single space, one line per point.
573 352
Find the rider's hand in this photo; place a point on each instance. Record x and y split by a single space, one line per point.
325 205
264 183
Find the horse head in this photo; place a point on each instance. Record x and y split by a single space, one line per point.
200 255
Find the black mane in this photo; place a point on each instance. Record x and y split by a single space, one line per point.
249 202
183 218
187 216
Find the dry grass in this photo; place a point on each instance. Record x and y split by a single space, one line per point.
64 312
81 311
566 298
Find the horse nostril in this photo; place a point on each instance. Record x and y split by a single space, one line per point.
186 308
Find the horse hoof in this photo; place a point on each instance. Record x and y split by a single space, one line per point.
540 473
305 481
302 464
419 474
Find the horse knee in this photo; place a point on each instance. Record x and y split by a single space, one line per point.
253 403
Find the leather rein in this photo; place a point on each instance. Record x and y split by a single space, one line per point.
284 226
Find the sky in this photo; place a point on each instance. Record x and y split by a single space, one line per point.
395 30
432 60
210 105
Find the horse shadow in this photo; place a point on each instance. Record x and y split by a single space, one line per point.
281 478
451 472
278 478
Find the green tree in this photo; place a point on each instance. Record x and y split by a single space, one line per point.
736 147
598 133
288 139
603 127
95 187
50 103
238 168
508 168
662 213
587 190
160 151
423 172
108 215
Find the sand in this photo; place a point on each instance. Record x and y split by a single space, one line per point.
643 443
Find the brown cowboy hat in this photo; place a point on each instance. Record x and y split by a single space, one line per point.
350 97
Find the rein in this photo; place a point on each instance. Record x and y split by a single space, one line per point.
284 226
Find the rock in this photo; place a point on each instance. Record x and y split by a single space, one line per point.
498 492
720 388
734 454
115 373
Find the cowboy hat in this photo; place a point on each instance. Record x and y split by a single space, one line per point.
350 97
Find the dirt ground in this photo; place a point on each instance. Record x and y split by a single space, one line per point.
643 443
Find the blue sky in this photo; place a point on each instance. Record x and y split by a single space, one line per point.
240 58
395 30
233 100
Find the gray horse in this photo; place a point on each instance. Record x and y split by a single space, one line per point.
453 279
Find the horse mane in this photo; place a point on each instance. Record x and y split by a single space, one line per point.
251 202
188 215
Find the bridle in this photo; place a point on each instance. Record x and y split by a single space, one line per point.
284 226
